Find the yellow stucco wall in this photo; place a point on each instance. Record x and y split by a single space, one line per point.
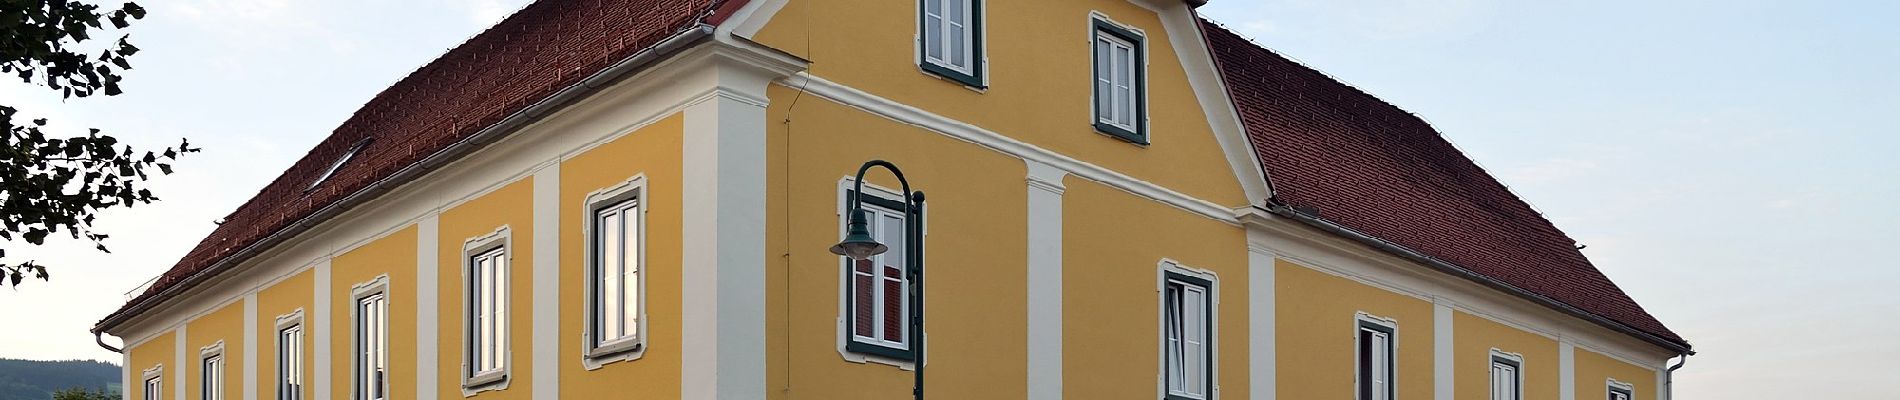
394 255
977 251
281 298
1112 246
1594 371
226 325
510 206
654 151
1315 334
159 351
1040 84
1473 337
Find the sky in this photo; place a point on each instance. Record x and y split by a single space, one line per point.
1728 163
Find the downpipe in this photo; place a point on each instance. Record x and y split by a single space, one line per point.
1669 377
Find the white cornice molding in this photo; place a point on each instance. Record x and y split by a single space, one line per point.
960 130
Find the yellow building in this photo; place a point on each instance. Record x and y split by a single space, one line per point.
636 198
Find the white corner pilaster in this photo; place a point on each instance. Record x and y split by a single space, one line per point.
179 357
1566 370
320 321
1444 369
427 303
547 284
1662 385
1045 281
250 346
723 271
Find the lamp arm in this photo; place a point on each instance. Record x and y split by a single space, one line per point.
858 185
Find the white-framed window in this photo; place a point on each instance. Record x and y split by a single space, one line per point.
1377 353
211 377
1187 316
1507 376
154 388
616 295
1120 82
290 357
370 335
1620 391
485 265
877 290
950 35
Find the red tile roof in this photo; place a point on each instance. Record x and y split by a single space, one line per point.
1359 162
544 48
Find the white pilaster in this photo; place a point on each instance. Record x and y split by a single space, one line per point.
1045 281
1566 370
723 271
1443 368
1662 389
320 322
1262 356
428 302
179 379
250 346
547 284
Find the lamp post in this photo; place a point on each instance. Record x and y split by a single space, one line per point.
859 245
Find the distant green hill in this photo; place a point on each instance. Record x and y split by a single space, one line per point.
37 380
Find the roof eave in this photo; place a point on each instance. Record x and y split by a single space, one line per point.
682 39
1677 346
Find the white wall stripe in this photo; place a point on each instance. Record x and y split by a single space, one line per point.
321 324
428 302
1444 370
1045 281
1566 371
250 346
1262 353
547 286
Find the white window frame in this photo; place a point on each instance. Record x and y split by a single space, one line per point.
628 199
846 334
1172 273
1515 363
152 380
290 356
212 370
486 332
360 355
1615 387
971 73
1365 325
1134 102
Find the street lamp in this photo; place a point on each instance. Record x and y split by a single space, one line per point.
859 245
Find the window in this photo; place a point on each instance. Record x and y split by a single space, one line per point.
1187 319
486 337
951 35
879 288
1377 339
372 347
614 274
212 378
1507 376
154 388
290 362
1120 88
1621 391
